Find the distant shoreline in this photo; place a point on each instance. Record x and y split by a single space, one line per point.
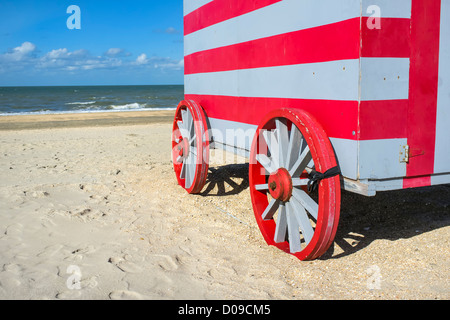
86 99
51 113
89 119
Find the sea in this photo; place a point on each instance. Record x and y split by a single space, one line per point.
83 99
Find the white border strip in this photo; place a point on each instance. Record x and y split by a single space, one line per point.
335 80
442 149
382 79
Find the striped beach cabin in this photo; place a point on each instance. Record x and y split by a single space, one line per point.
351 94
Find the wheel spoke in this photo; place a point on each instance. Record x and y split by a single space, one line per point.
267 163
272 144
187 173
184 117
180 124
301 163
293 230
190 172
181 127
190 124
283 141
193 151
183 171
192 140
281 227
303 220
306 201
271 209
295 145
298 182
262 187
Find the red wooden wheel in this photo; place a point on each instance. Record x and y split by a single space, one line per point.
190 146
287 144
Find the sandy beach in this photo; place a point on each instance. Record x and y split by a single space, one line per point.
90 209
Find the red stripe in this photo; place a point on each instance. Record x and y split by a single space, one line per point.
331 42
415 182
337 41
392 40
383 119
423 86
339 118
221 10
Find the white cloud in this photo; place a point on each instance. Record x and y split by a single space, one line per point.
63 58
142 59
113 51
19 53
172 30
25 57
117 52
171 64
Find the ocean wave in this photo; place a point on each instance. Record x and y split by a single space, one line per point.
128 106
81 103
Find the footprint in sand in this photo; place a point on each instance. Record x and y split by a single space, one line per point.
125 265
69 295
10 276
12 268
50 251
8 283
47 222
14 230
168 263
125 295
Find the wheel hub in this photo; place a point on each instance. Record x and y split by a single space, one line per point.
280 185
183 147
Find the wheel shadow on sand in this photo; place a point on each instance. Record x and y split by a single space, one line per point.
226 180
390 215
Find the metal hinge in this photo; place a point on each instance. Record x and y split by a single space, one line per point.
404 154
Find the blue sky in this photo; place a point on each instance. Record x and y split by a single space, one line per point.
119 43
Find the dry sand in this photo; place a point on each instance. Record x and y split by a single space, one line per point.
90 209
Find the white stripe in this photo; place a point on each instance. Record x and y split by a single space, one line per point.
386 185
379 159
240 135
384 78
192 5
282 17
440 179
368 159
237 134
442 151
388 8
333 80
347 155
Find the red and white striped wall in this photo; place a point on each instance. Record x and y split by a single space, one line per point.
374 90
